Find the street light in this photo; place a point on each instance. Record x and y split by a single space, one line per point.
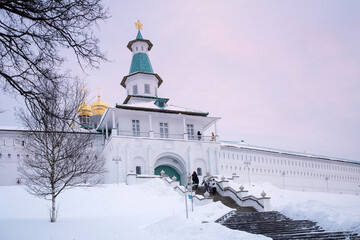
117 160
247 164
283 175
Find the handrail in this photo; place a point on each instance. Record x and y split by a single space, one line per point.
250 197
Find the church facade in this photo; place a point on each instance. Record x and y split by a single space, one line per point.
147 134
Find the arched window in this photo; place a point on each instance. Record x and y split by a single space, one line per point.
199 171
138 170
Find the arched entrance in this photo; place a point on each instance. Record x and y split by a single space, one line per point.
169 171
173 165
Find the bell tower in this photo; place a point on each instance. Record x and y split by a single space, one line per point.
142 83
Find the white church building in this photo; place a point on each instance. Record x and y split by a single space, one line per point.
146 134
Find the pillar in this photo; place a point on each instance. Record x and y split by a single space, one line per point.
113 122
184 129
151 132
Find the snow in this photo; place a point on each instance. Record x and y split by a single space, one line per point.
151 210
170 107
333 212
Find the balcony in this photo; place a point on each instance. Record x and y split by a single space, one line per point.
157 135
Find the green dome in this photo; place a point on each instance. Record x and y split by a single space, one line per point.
140 63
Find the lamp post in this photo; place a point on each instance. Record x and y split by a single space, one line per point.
327 183
283 175
117 160
247 165
191 196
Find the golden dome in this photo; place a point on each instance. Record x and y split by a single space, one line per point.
98 107
84 109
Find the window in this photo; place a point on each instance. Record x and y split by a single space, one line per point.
135 90
190 131
199 171
136 48
147 88
142 48
136 127
138 170
164 130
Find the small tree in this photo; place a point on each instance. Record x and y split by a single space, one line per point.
60 156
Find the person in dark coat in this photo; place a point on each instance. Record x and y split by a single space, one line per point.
199 135
207 185
195 179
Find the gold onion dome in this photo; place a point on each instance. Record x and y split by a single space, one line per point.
84 109
98 107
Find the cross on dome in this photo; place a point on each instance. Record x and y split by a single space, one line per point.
138 25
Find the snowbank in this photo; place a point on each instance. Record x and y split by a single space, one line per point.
147 211
334 212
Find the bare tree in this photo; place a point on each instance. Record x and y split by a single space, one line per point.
33 35
60 155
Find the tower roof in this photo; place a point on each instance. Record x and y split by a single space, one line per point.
139 38
140 63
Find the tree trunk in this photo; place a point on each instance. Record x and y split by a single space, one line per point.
53 211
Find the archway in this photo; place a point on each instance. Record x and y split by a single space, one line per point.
173 165
169 171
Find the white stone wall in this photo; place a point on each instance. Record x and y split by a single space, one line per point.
140 80
183 155
301 172
11 153
140 46
290 170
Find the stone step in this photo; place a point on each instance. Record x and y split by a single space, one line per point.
317 236
279 227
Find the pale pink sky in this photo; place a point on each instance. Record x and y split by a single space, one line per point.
281 74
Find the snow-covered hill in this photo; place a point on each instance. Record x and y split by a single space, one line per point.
148 211
153 211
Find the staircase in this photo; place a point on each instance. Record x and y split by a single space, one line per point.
279 227
227 201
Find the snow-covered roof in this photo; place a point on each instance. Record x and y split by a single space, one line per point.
12 128
244 145
17 128
169 108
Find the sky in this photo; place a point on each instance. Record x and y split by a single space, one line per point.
280 74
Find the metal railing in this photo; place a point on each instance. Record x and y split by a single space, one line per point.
133 134
202 138
170 136
165 136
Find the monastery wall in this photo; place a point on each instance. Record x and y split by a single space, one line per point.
306 173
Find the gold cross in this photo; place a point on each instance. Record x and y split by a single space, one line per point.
138 25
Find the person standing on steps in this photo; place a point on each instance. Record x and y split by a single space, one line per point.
212 186
195 180
206 183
